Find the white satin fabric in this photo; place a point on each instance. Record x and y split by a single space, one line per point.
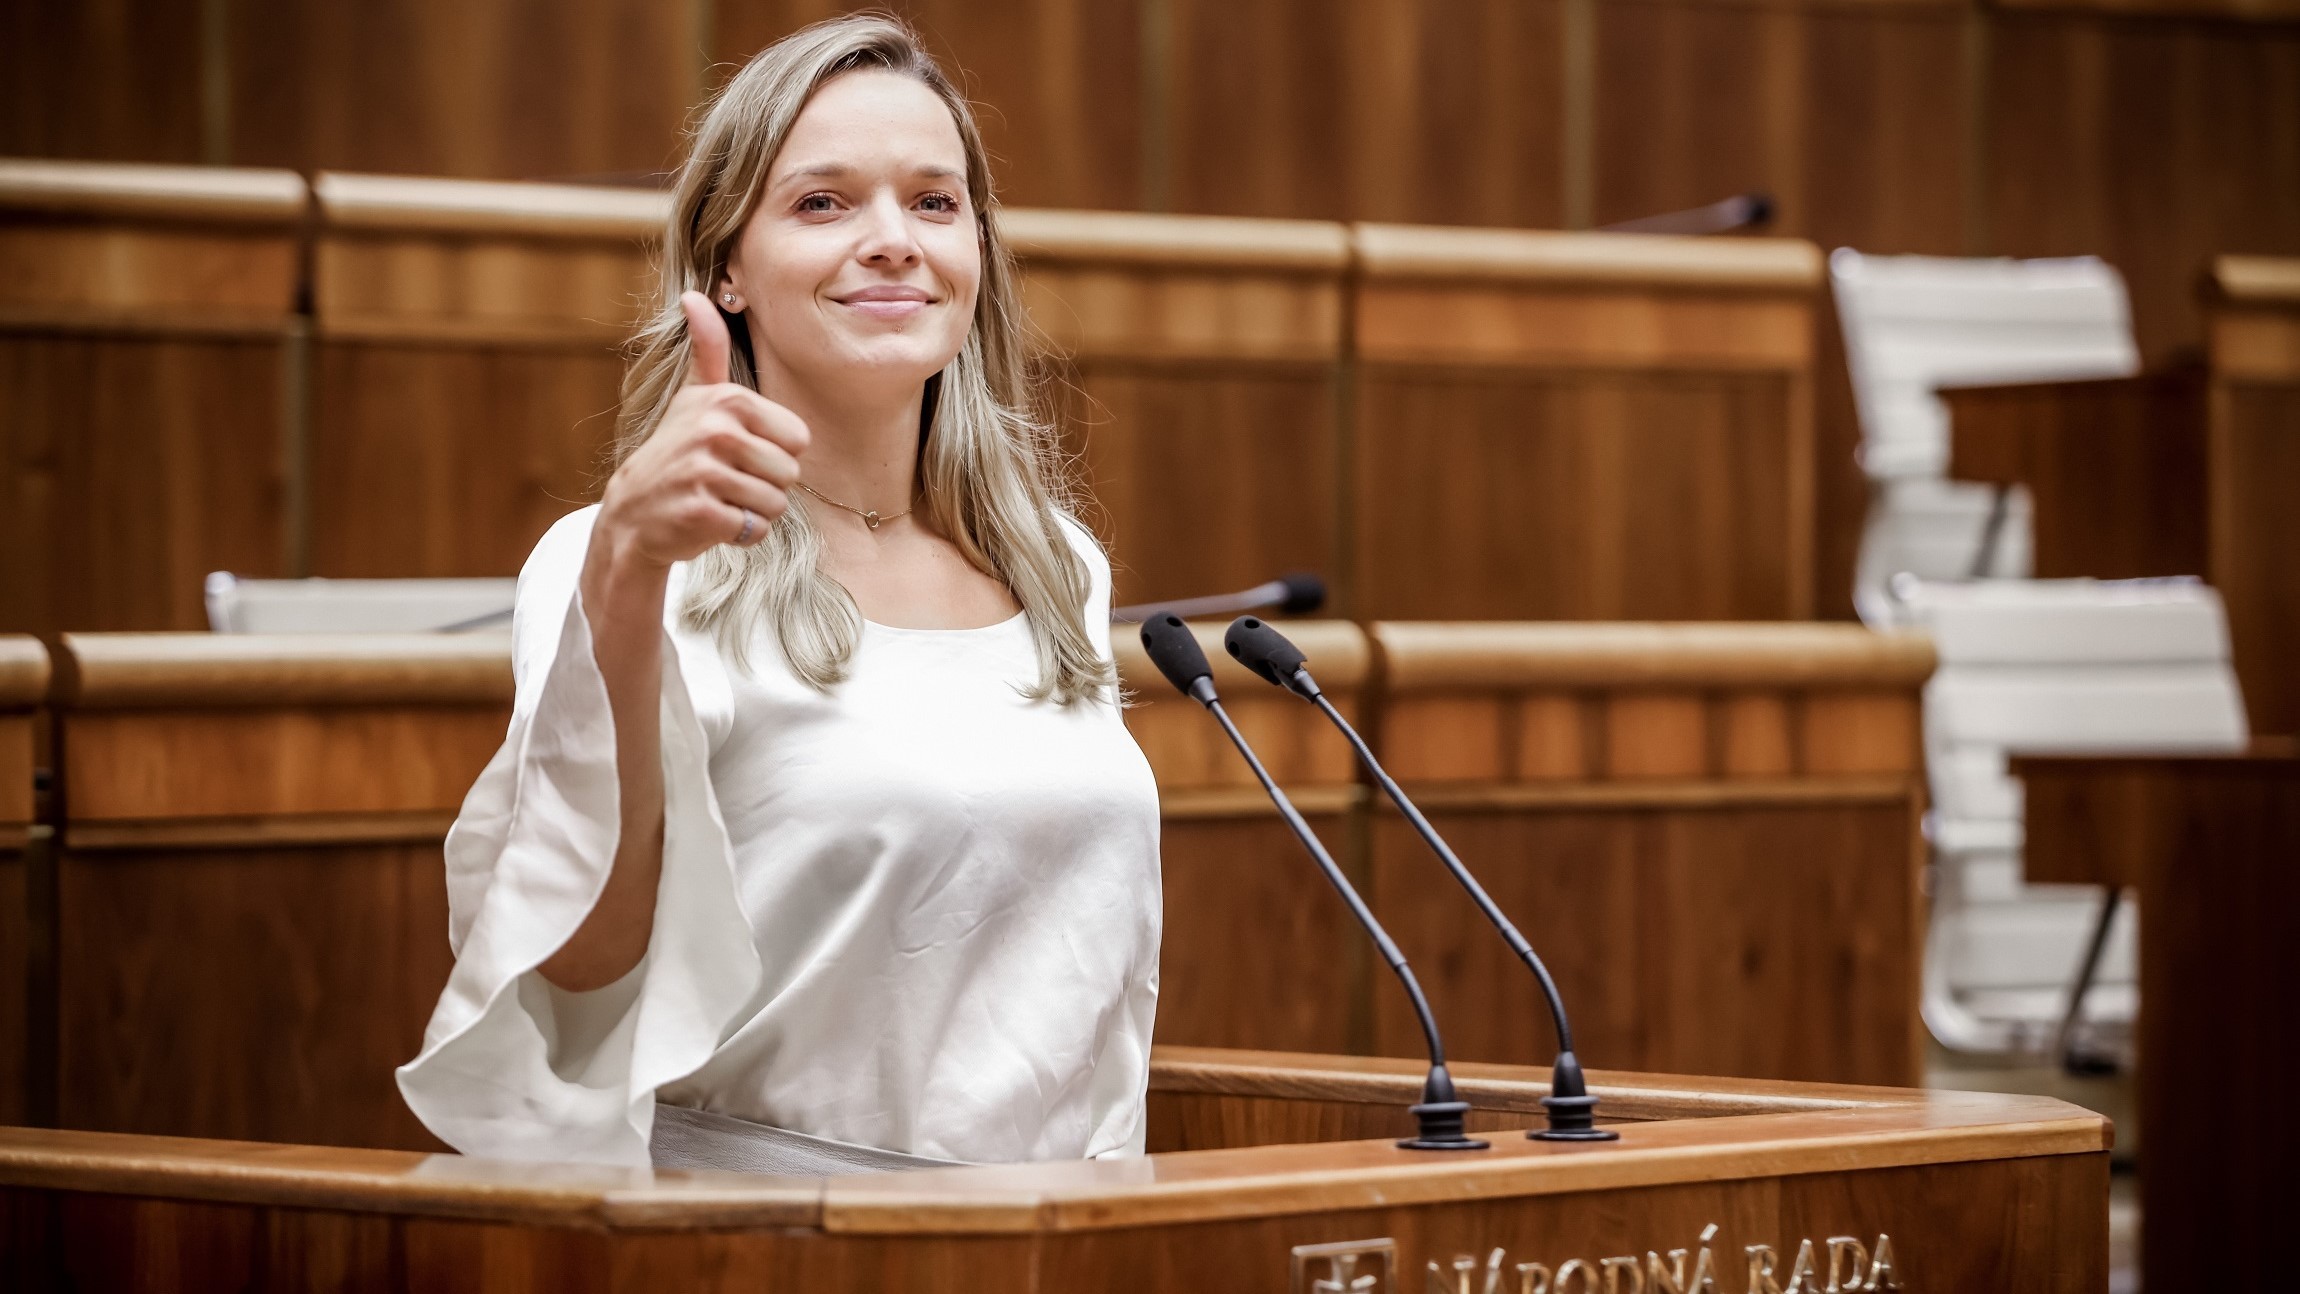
920 913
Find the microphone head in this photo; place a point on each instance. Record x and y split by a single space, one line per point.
1305 592
1262 649
1175 651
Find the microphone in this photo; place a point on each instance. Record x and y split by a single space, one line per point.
1440 1114
1296 594
1571 1109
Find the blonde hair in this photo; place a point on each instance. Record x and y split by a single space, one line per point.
994 481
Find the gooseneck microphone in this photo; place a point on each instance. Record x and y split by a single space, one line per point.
1295 594
1571 1109
1440 1114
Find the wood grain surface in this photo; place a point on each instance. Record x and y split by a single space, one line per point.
259 994
2254 439
206 671
1693 1129
1593 427
2207 845
23 682
1708 831
430 87
1057 84
146 323
2115 469
1778 941
1945 1174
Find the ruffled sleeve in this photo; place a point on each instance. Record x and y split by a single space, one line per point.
511 1067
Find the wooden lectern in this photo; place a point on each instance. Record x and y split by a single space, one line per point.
1269 1172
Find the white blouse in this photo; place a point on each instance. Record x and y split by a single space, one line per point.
919 913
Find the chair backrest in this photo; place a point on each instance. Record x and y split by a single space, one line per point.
237 606
2067 667
1914 324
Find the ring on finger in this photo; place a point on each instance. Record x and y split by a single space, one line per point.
750 521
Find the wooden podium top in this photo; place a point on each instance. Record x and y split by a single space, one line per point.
1673 1130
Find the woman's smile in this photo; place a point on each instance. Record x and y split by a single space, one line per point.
887 302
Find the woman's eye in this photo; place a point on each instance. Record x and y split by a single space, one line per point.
818 204
939 202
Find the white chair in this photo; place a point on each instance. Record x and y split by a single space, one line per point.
237 606
1915 324
2047 667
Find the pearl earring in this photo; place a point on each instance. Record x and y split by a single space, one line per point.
727 297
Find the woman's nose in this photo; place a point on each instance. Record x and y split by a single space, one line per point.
887 234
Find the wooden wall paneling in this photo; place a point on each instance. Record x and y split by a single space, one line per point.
1857 120
467 365
1425 111
251 903
1455 112
529 90
1249 108
1592 426
2264 10
146 344
114 80
2153 144
1851 117
1201 372
23 684
1056 84
2254 336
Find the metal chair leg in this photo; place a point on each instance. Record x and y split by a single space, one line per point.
2000 502
2072 1058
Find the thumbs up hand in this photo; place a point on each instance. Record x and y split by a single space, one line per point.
716 469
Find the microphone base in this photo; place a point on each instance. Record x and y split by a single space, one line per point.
1571 1118
1441 1128
1571 1134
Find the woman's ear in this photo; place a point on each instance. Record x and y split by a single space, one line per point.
726 297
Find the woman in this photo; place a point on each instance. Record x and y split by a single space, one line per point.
817 841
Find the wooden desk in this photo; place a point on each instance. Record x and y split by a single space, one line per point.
468 360
1710 833
2252 327
2115 468
2212 846
148 350
23 684
251 907
1585 426
1975 1192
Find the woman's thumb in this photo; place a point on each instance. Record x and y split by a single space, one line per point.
707 341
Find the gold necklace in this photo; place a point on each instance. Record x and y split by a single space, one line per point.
870 518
